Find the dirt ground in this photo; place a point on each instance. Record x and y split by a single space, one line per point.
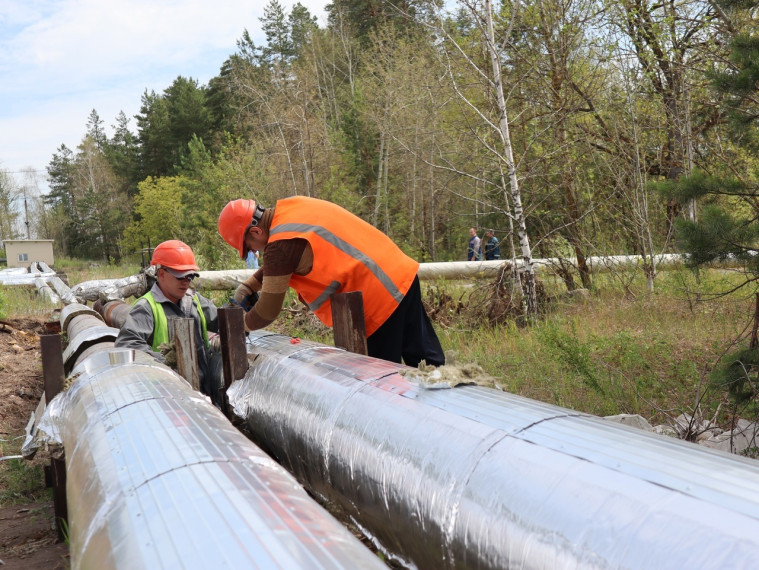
28 539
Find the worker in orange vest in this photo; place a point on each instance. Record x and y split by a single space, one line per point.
319 248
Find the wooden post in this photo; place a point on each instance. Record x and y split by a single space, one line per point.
348 324
182 332
234 356
52 373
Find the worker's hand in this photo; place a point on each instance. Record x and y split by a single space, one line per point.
245 297
241 292
214 342
169 352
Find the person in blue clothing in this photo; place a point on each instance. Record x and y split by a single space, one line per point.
252 260
473 247
492 248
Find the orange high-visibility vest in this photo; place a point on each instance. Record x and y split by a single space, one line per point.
349 255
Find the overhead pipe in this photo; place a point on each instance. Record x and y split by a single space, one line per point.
157 477
473 477
107 289
137 285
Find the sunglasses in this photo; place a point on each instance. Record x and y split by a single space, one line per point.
187 278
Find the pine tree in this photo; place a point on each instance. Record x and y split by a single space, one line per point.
727 227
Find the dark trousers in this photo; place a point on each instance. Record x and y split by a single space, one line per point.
407 334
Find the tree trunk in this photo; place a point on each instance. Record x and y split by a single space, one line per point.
530 293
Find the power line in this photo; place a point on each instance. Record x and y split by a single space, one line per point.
23 171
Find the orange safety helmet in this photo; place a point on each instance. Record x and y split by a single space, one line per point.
174 254
235 219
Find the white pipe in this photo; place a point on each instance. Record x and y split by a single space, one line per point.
46 292
60 287
136 285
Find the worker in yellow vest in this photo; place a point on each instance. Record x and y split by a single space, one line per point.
146 327
319 248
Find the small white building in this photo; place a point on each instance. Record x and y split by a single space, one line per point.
22 252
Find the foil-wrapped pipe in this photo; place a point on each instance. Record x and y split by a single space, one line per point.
107 289
157 477
472 477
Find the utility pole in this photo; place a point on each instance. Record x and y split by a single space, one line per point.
26 215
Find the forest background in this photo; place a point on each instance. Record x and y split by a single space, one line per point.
573 128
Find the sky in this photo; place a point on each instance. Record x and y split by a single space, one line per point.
60 59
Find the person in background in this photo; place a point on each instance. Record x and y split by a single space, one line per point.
252 260
319 248
473 248
146 326
492 248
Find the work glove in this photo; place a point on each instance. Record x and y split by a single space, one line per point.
245 297
169 352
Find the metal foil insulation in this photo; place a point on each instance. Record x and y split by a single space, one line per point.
107 289
158 478
86 331
472 477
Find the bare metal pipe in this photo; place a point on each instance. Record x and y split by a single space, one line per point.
473 477
113 312
158 478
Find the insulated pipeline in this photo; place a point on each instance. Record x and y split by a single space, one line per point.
472 477
157 477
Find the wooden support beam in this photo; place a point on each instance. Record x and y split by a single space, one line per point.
234 356
348 324
182 331
54 378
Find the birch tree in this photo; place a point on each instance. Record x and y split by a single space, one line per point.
503 151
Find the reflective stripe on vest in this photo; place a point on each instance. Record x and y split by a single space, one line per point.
345 247
161 324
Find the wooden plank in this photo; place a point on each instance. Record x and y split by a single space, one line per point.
234 356
348 324
54 378
184 344
52 364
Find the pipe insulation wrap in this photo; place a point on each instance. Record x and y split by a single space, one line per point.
473 477
158 478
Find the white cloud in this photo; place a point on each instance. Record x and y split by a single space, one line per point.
59 59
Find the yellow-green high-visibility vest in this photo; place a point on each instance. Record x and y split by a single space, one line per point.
161 324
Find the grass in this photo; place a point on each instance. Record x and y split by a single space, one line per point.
20 480
617 351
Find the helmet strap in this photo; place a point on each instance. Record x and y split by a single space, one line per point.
257 215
